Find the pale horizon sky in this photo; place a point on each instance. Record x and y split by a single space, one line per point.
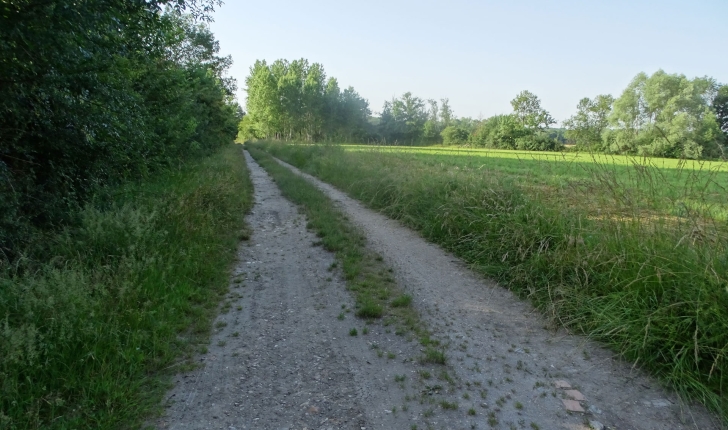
480 54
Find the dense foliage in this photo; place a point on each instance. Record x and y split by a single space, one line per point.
294 101
665 115
93 93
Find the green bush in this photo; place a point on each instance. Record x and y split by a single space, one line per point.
98 93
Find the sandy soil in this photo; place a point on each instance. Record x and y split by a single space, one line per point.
281 356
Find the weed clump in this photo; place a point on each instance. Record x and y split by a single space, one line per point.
402 301
433 356
369 308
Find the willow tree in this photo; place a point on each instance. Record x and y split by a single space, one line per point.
666 115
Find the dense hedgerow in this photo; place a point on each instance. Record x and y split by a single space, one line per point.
95 93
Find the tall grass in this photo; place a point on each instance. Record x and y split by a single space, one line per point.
610 256
93 322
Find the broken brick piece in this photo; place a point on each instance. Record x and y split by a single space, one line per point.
572 405
575 394
562 384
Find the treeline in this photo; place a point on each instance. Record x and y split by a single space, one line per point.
294 101
412 120
94 93
666 115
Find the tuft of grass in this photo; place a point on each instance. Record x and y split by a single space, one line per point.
94 324
433 356
448 405
367 307
353 332
402 301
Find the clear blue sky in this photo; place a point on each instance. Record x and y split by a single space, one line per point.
480 54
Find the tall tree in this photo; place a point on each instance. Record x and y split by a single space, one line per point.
720 106
666 115
294 100
446 115
527 108
94 92
591 119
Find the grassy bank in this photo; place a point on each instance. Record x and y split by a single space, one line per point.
93 322
610 256
374 289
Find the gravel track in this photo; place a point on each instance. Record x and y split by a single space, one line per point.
281 357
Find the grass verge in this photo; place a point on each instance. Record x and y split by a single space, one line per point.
653 288
92 326
374 289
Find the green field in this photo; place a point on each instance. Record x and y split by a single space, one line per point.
664 185
631 252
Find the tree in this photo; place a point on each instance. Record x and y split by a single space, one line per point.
585 128
666 115
93 93
446 115
453 135
501 132
294 100
527 108
403 119
720 106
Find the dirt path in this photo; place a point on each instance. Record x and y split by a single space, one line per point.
281 356
500 344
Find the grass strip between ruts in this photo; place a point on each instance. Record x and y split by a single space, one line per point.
367 276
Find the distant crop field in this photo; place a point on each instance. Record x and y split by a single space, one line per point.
650 186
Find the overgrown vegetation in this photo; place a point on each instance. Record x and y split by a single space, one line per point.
93 321
621 257
95 93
